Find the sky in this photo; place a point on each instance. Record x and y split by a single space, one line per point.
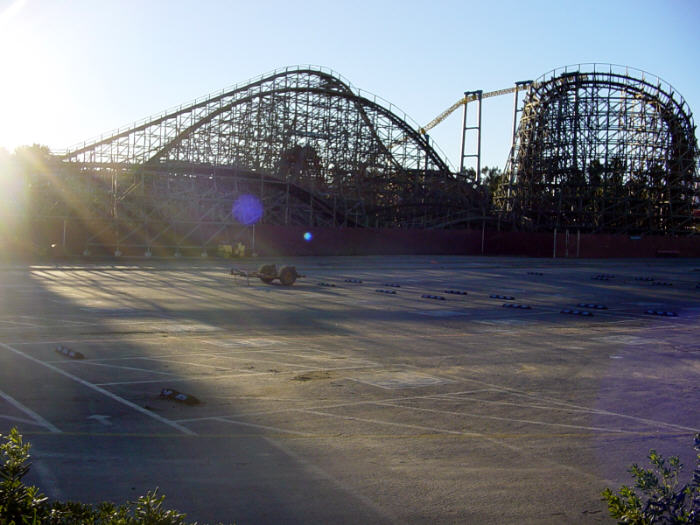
71 70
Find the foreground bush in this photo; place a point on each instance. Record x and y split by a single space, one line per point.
25 505
663 499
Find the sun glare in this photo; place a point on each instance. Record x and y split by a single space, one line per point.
13 56
7 14
34 92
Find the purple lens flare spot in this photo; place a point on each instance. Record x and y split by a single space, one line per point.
247 209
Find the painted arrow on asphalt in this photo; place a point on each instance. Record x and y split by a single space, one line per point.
102 419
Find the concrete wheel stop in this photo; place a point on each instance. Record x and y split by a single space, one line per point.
577 312
663 313
186 399
593 306
72 354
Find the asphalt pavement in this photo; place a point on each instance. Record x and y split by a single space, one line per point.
375 389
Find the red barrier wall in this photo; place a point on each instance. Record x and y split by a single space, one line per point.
37 238
287 240
281 240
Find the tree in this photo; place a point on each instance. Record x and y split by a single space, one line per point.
663 500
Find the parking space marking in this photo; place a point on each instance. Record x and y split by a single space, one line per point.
564 406
241 373
264 427
454 397
255 358
321 473
19 420
36 417
161 357
261 342
389 423
100 390
201 365
593 410
244 349
154 338
507 419
20 323
486 436
133 368
323 407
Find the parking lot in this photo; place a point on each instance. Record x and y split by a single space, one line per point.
375 389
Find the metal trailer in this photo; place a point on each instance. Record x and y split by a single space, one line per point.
267 273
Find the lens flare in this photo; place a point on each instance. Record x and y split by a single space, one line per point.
308 236
247 209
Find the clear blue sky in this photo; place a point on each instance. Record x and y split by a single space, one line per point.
73 69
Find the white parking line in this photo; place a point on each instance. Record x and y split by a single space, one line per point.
541 398
507 419
133 368
264 427
18 419
499 442
322 407
102 391
19 323
283 351
454 397
345 487
36 417
154 339
238 374
434 430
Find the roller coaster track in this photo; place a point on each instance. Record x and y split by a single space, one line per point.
312 148
603 149
461 102
319 152
184 121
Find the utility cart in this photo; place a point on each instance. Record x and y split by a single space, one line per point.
268 273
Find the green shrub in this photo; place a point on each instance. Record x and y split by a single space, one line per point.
25 505
19 503
663 500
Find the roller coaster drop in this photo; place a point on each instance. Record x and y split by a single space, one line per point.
595 151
